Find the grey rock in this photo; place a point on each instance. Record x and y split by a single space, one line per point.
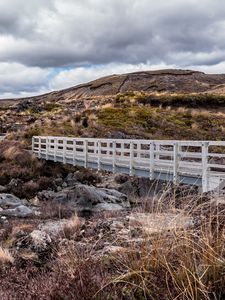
9 201
83 197
107 207
129 189
46 195
70 179
3 189
19 212
15 182
53 228
59 189
59 181
64 185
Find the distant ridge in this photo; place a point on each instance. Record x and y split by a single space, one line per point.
159 81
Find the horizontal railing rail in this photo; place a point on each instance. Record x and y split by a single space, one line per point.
202 161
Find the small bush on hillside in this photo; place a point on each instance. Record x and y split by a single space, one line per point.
51 106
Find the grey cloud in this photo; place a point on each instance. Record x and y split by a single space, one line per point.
59 33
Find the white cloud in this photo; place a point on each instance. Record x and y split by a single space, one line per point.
19 80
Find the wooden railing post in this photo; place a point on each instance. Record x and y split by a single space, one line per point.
131 158
64 150
74 152
175 163
99 155
205 167
55 148
85 153
46 148
32 144
152 161
114 156
39 147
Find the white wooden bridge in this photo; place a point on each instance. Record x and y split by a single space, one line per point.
200 163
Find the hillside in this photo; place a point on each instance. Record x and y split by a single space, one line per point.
165 104
162 81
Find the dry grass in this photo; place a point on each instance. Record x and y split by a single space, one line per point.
72 227
5 256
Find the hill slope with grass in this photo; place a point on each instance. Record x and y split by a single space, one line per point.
166 81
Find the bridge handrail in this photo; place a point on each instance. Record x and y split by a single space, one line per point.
177 156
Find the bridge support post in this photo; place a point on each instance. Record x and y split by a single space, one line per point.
175 163
205 183
152 161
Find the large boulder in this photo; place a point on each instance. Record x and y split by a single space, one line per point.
20 211
88 198
12 206
9 201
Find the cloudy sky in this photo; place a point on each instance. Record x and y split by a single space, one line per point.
53 44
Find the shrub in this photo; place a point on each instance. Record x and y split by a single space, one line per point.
30 189
44 183
86 176
51 106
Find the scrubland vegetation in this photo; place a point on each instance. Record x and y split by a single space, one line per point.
169 242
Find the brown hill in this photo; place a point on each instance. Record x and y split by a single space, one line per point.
162 81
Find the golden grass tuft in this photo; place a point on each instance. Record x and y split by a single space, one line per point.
72 227
5 256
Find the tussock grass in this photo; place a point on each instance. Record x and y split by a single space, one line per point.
5 256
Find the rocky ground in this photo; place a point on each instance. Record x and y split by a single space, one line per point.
83 235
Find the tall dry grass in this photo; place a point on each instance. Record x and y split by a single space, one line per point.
177 263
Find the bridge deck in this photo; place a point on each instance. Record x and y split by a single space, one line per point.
193 162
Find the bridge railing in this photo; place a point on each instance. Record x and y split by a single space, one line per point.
200 159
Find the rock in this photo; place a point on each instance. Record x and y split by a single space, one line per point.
53 228
151 223
3 189
70 179
9 201
85 198
129 189
59 181
59 189
64 185
14 182
114 250
21 211
107 207
46 195
121 178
